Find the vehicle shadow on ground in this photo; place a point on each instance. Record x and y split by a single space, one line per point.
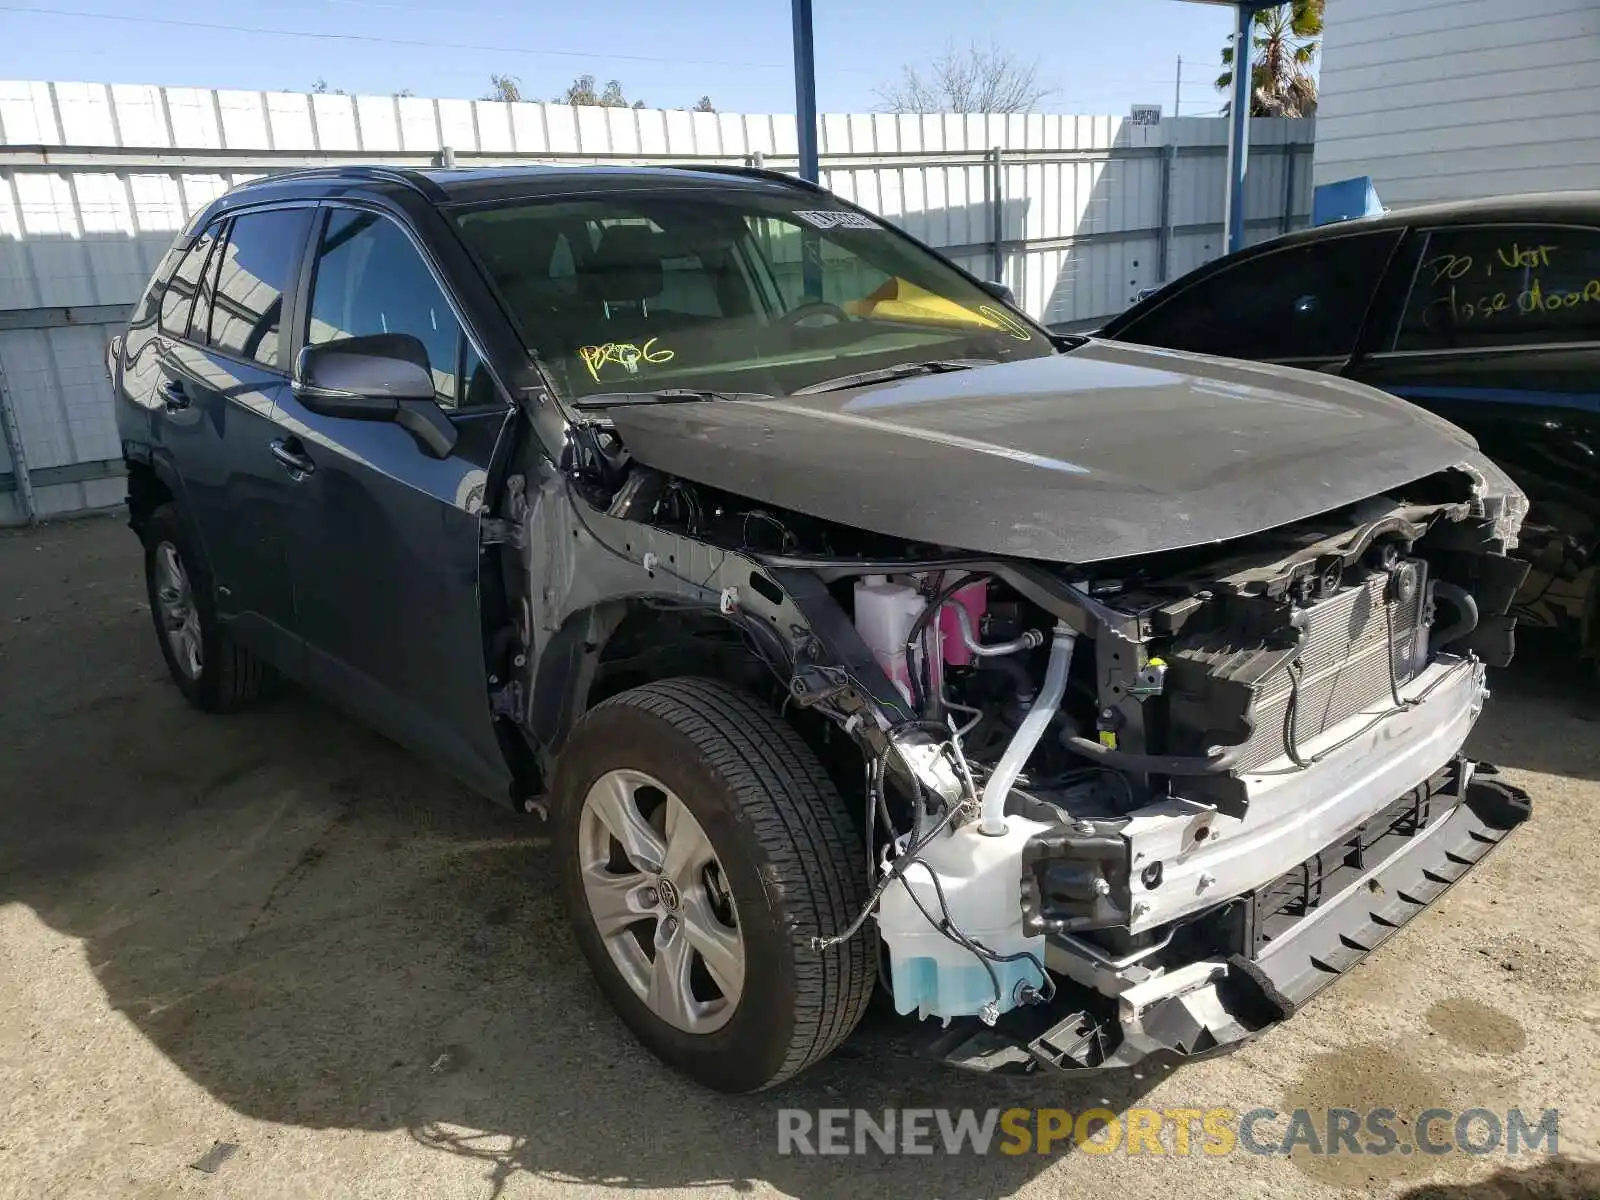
321 932
1553 1179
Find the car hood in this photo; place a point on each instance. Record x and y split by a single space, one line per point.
1104 452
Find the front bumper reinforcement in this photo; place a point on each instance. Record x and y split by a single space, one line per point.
1293 938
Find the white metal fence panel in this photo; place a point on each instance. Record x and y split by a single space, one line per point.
1076 214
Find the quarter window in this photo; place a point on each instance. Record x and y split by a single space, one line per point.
1305 301
1507 285
177 302
256 264
370 279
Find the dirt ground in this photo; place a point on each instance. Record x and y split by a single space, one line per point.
278 931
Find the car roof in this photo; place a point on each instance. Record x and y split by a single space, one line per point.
474 185
478 183
1532 206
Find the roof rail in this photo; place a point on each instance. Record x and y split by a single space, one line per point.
752 172
404 176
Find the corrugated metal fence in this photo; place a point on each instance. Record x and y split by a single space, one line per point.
1076 214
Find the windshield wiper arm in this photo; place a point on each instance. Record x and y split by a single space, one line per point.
665 396
934 366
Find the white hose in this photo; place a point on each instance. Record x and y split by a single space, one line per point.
1028 734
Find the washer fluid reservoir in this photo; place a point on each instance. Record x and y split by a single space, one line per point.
982 881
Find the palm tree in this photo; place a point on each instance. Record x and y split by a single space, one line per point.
1286 44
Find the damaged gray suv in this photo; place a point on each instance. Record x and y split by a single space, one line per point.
853 631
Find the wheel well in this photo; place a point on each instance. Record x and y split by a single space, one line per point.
146 493
652 643
604 651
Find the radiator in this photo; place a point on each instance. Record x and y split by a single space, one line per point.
1348 645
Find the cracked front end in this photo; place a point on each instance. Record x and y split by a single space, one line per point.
1149 808
1143 807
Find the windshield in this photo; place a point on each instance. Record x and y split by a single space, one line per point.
732 291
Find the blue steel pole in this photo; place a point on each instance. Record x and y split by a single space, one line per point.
805 118
805 90
1239 126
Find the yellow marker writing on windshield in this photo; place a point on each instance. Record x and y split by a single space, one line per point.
1006 321
624 354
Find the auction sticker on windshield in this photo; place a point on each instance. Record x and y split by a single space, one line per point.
828 219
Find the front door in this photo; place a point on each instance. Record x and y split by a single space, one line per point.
384 555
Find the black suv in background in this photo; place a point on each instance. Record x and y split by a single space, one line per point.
1486 312
805 581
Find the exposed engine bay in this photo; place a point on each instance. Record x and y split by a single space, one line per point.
1095 800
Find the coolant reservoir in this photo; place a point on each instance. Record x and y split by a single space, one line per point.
975 599
885 613
982 881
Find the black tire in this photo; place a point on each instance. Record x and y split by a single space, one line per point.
792 861
230 677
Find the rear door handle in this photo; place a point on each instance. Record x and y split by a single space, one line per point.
173 395
290 454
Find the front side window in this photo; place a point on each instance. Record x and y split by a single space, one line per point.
177 302
1507 285
370 279
1305 301
731 290
254 269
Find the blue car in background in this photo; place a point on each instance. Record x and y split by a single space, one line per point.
1486 312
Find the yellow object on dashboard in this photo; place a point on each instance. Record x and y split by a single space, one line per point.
900 300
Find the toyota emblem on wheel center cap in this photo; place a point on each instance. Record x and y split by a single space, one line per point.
668 893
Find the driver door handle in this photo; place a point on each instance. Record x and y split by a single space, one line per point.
293 456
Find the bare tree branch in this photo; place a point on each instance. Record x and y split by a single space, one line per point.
978 79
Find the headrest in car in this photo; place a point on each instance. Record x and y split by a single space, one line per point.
626 265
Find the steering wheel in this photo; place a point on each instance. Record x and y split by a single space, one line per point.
811 310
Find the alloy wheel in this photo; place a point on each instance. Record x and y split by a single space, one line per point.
180 618
660 901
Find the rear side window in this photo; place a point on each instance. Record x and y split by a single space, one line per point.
1507 285
370 279
255 266
177 302
1301 302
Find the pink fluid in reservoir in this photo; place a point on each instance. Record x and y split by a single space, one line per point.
975 599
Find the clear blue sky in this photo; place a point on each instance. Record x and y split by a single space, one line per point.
1099 57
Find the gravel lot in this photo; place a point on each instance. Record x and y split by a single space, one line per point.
279 931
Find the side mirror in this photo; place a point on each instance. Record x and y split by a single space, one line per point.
382 377
1000 292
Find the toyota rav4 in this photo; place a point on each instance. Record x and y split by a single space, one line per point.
851 629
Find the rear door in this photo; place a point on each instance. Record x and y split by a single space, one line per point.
1301 305
384 552
222 368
